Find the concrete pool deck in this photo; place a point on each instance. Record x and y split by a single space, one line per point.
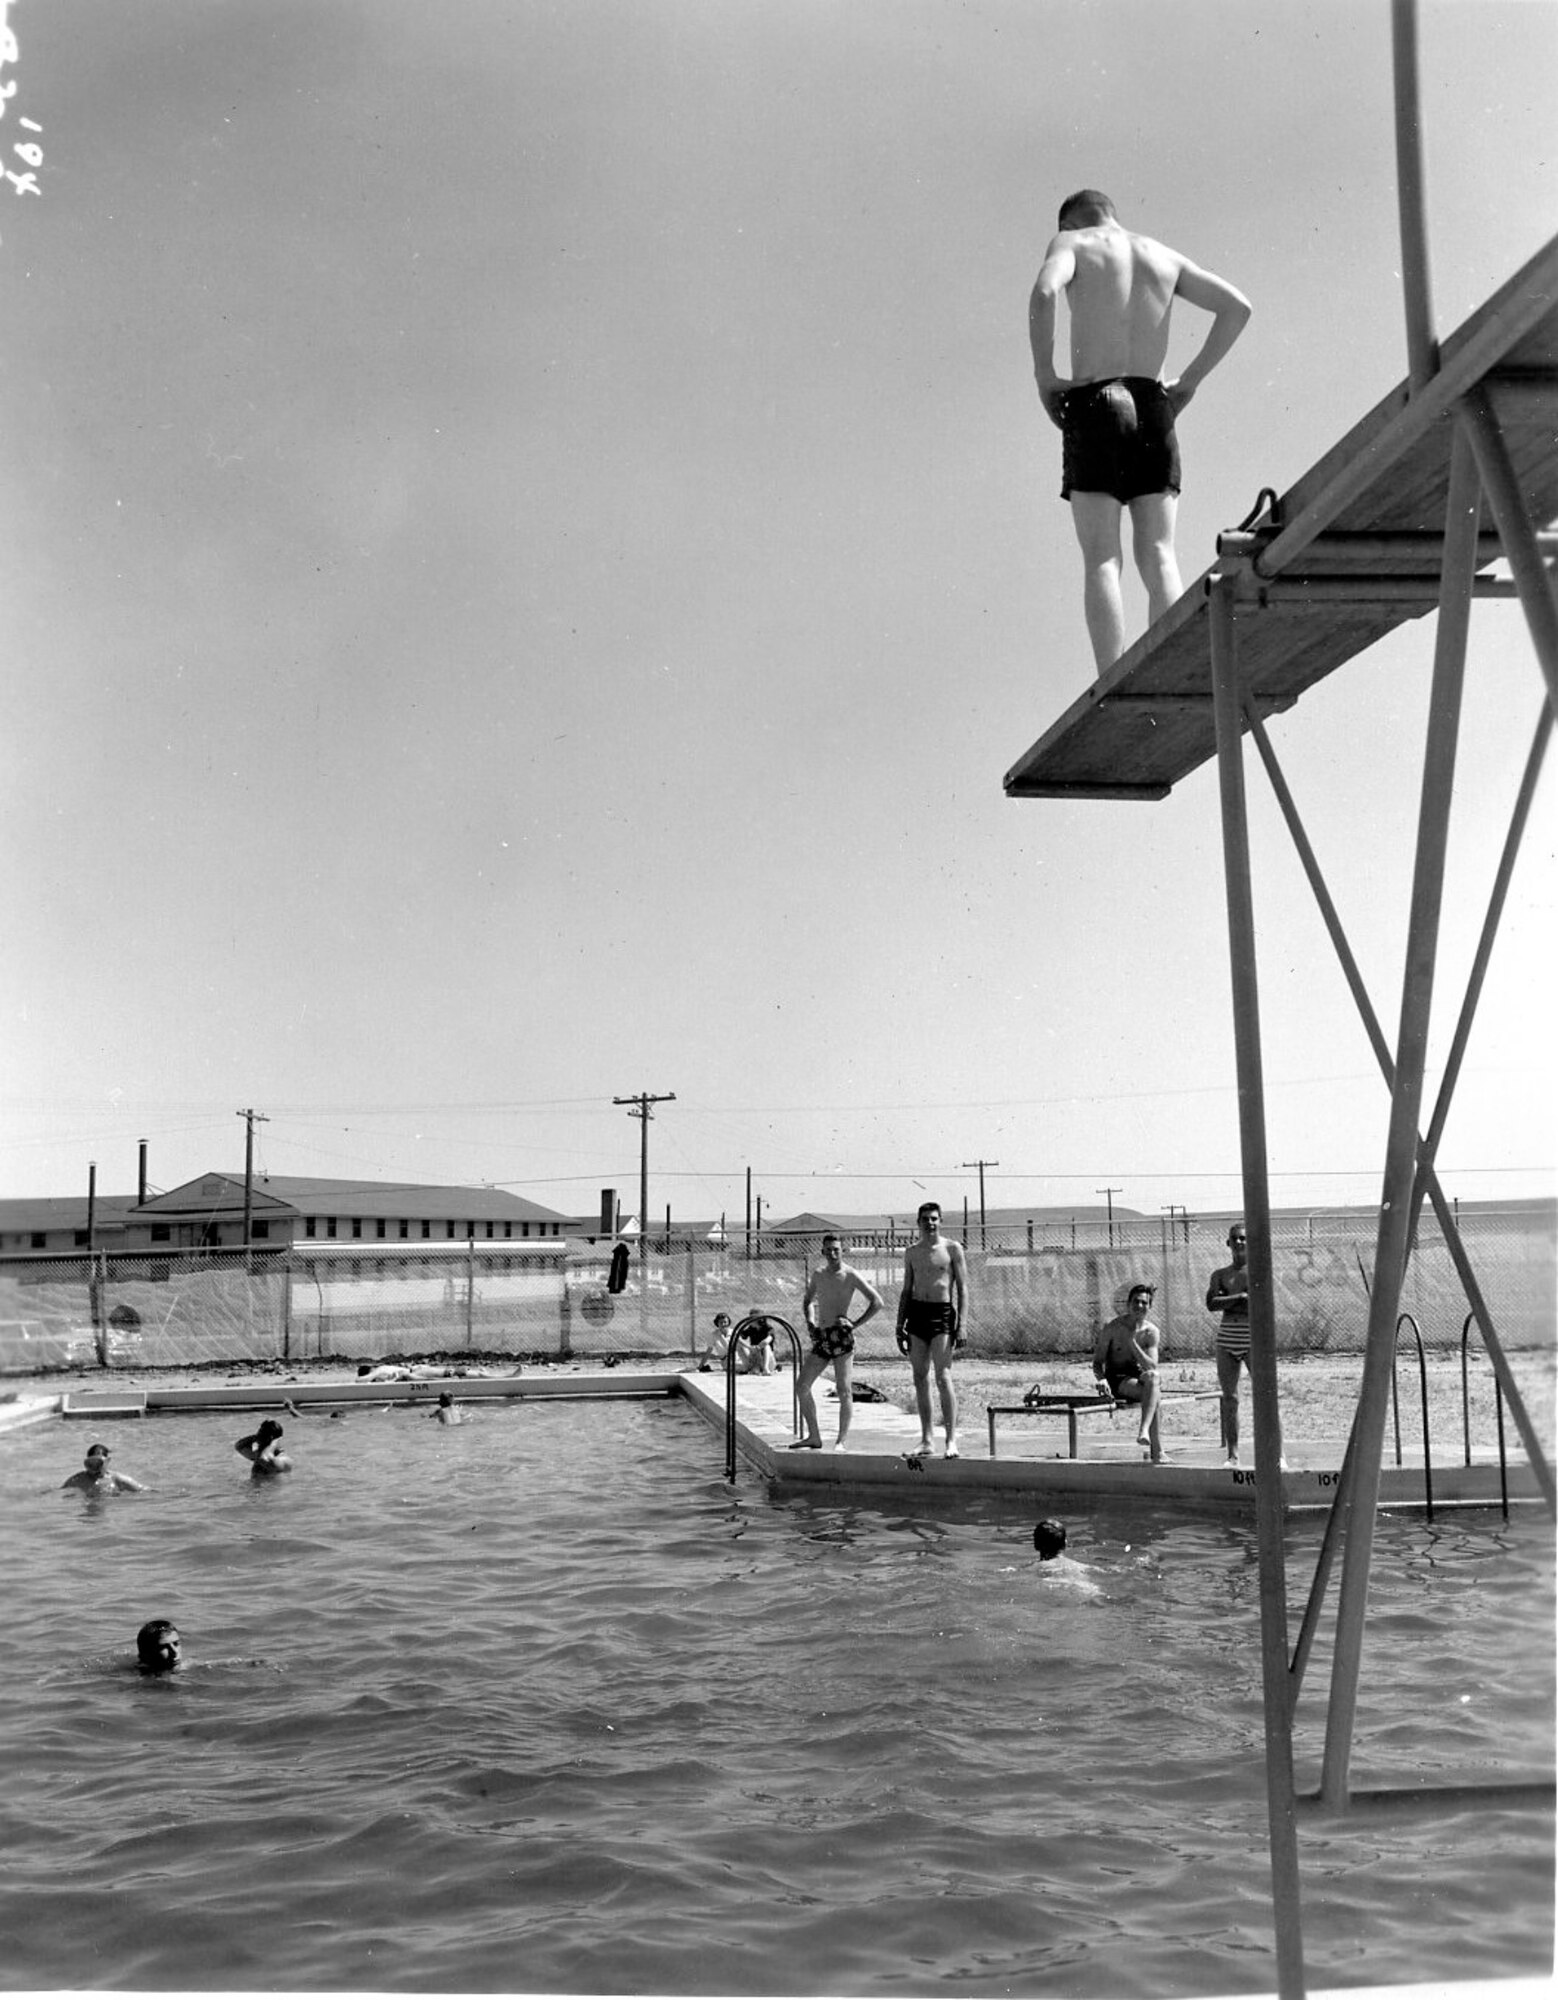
1032 1455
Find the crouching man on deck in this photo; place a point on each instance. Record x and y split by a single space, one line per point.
1125 1362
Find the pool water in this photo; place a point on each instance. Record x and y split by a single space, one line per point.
540 1704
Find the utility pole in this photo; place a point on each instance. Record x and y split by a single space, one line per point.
640 1110
1173 1208
981 1164
251 1119
1109 1195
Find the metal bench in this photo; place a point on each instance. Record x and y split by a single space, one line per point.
1087 1403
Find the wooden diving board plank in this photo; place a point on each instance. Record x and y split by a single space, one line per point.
1147 722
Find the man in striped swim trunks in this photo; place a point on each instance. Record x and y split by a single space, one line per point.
1229 1294
830 1294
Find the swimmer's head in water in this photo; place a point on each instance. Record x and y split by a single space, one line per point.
445 1400
97 1457
158 1646
1085 208
268 1432
1049 1538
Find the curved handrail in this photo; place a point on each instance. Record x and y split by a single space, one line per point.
1406 1319
752 1319
1498 1410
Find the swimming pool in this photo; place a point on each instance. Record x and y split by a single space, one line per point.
541 1704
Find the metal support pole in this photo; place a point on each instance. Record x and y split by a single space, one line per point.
1508 507
1448 1221
1281 1812
1422 346
1460 556
1429 1150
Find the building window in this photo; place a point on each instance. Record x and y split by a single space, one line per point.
524 1229
40 1240
330 1227
490 1232
427 1230
508 1229
81 1239
449 1231
262 1232
161 1233
308 1228
405 1229
356 1226
381 1228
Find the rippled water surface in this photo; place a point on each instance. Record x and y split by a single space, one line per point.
540 1704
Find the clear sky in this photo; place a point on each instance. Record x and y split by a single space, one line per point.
530 543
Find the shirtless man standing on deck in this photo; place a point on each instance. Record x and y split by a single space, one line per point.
830 1292
931 1310
1116 413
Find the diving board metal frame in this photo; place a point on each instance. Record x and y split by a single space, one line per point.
1158 712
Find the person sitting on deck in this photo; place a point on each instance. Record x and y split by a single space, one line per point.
1125 1362
754 1341
96 1476
1116 413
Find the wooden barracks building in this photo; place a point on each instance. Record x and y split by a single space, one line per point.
208 1214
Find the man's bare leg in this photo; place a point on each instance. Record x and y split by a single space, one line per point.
843 1380
1152 541
1096 518
919 1361
811 1368
941 1352
1149 1408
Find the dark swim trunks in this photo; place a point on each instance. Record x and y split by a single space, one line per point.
1121 1373
832 1341
1118 439
926 1318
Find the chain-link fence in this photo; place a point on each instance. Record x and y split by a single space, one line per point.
1030 1297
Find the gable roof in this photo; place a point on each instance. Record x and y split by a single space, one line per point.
218 1194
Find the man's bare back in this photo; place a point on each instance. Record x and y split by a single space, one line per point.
1120 293
1120 290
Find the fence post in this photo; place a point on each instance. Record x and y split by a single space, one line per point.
97 1283
692 1300
470 1293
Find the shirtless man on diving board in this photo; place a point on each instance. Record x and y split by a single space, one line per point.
1115 412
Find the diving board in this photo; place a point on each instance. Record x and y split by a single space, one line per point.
1343 558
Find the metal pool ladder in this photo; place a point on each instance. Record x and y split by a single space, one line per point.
755 1319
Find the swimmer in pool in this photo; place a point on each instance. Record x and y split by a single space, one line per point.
96 1475
1115 412
263 1451
446 1413
1049 1538
158 1647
